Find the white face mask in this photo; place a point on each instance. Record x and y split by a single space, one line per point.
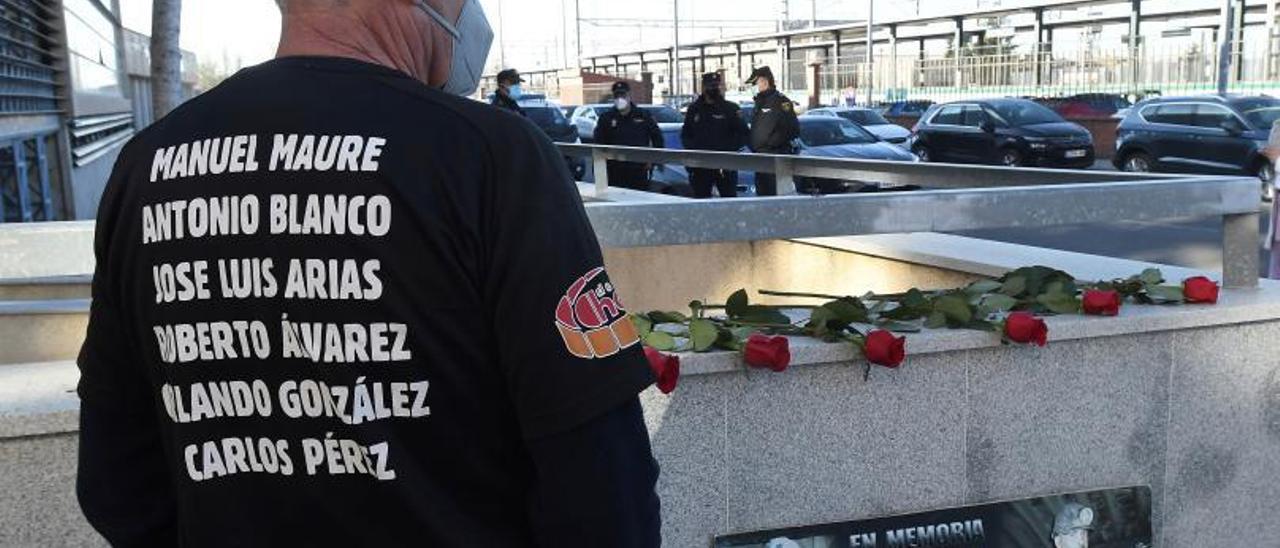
621 103
472 38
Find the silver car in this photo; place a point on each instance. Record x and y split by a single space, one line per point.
870 120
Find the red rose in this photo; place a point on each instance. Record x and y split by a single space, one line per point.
666 369
882 348
1101 303
769 352
1200 290
1023 327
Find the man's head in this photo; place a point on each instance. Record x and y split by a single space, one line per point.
509 81
621 92
443 43
1072 525
713 86
762 79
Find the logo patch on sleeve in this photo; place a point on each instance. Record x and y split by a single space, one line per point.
591 319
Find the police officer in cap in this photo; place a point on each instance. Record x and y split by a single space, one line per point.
773 125
627 125
712 123
508 94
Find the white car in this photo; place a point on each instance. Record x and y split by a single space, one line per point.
870 120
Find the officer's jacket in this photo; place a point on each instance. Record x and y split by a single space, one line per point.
501 100
714 125
636 128
774 124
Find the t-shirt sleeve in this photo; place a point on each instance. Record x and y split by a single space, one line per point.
567 347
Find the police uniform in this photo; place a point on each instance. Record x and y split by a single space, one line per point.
774 126
504 101
712 123
633 128
314 325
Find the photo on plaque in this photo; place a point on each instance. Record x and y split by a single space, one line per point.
1108 518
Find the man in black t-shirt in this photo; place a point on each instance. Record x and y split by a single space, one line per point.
336 304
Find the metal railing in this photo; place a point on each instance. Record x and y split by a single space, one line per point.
955 197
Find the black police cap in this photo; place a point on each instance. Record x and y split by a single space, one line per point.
621 88
760 72
510 75
711 78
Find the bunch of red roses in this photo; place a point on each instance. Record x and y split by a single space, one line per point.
1011 306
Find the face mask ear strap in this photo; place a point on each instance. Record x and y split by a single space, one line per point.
440 20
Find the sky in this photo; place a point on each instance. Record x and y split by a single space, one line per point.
235 33
536 33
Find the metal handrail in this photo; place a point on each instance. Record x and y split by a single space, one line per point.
968 197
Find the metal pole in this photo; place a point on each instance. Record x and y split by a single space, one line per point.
813 14
564 42
1225 33
1135 41
675 50
577 34
1271 40
871 76
502 39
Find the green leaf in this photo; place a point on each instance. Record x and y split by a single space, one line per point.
998 303
660 341
820 320
847 310
1014 286
1151 276
642 323
763 315
1060 303
737 304
703 334
1165 294
955 307
667 317
983 286
900 327
936 320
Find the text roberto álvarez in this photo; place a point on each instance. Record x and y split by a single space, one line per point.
190 283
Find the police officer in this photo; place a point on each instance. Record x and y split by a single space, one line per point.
509 91
1072 525
773 125
319 325
627 125
712 123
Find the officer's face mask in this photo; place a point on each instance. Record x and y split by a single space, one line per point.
515 91
621 103
472 38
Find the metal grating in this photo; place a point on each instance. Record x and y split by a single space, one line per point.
26 181
28 77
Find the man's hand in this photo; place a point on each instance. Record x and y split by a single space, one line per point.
1271 152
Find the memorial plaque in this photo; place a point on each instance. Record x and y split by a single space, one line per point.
1109 518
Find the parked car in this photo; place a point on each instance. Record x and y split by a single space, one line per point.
869 120
829 137
586 116
567 110
1012 132
548 117
1203 134
906 108
1087 105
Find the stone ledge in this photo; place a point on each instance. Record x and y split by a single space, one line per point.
38 399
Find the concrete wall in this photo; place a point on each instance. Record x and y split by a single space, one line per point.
1194 414
668 277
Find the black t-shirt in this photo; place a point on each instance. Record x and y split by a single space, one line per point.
343 302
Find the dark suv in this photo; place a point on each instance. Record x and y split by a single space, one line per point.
1204 134
1012 132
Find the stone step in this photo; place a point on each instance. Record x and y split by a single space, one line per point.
33 331
45 288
